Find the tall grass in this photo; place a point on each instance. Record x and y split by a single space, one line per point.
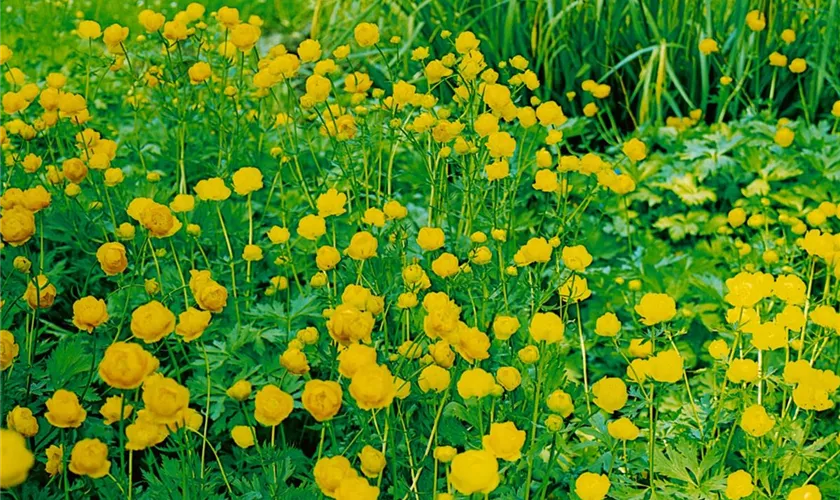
647 50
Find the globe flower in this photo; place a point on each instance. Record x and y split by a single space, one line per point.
607 325
192 323
610 394
212 189
164 398
240 390
372 387
64 410
322 399
17 459
243 436
739 485
152 321
272 405
475 383
329 472
474 471
591 486
656 308
89 457
115 410
246 180
8 349
373 461
755 421
547 327
22 421
112 258
504 441
433 378
366 34
89 312
126 365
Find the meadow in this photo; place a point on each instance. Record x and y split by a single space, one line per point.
450 250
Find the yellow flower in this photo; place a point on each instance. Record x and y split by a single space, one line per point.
309 50
547 327
591 486
545 180
394 210
192 323
784 137
126 365
272 405
505 441
747 289
476 383
322 399
312 227
151 21
294 361
755 20
252 253
55 460
505 326
165 399
756 422
348 324
474 471
777 59
244 36
575 289
607 325
209 294
240 390
363 246
718 349
501 145
89 30
535 250
430 238
656 308
213 189
89 457
528 354
8 349
329 473
508 377
433 378
89 312
635 150
560 402
372 387
366 34
623 429
17 459
17 225
114 35
610 394
373 461
21 420
576 258
788 36
807 492
666 366
199 72
278 235
798 65
243 436
114 410
144 433
708 45
446 265
739 485
246 180
64 410
152 321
